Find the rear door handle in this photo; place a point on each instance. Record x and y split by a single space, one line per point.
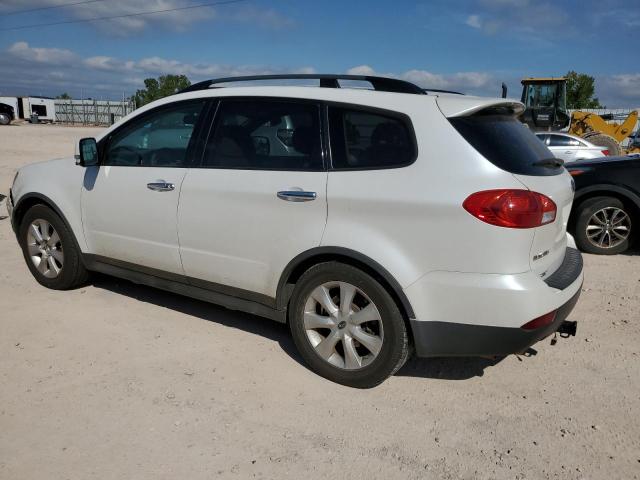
161 186
296 195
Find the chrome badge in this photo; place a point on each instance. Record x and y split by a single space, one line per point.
540 255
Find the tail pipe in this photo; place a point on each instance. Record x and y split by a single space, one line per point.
568 329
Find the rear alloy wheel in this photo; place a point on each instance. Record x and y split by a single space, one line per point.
5 119
604 226
346 325
343 325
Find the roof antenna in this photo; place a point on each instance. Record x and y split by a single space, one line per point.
504 90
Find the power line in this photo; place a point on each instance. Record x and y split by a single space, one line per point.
96 19
29 10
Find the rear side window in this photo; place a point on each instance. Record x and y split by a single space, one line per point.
265 135
362 139
507 143
562 141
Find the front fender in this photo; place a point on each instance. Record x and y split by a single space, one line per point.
58 184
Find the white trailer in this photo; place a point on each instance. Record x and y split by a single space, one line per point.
43 107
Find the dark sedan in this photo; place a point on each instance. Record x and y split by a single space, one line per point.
605 217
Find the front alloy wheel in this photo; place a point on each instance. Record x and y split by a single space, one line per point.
45 248
50 249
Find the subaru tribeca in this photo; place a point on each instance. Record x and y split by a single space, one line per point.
375 222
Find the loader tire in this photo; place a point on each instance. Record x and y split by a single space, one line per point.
606 141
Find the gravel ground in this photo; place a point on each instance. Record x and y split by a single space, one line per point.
120 381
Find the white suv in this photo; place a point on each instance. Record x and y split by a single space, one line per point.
373 221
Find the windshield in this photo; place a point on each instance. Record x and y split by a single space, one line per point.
540 95
544 95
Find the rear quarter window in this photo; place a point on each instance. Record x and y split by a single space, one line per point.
507 143
366 139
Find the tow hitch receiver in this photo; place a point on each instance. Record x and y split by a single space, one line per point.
568 329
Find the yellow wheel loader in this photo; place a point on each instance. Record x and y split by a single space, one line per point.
546 110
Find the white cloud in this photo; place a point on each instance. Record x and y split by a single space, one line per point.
33 70
51 71
361 70
177 20
41 55
474 21
527 20
620 90
473 82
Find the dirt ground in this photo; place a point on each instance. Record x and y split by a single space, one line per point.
117 381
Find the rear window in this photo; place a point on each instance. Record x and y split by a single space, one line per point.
507 143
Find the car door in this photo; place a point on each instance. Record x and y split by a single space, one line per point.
258 198
564 148
130 202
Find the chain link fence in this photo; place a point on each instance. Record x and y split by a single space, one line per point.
92 112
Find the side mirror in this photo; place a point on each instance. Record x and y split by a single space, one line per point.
88 153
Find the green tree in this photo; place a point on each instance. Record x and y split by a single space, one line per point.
64 96
161 87
580 91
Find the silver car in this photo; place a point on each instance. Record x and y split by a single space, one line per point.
571 148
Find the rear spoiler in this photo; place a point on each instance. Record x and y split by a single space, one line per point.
463 106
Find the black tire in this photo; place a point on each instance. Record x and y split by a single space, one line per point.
605 141
395 344
584 213
73 273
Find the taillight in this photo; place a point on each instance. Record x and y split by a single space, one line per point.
511 208
540 322
605 152
575 173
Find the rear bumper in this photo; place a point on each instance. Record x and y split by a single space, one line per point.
445 339
464 314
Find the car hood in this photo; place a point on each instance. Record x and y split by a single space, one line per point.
60 160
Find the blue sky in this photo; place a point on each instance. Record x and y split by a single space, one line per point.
467 45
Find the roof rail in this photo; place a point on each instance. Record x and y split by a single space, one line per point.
437 90
382 84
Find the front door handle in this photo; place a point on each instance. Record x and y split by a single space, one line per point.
296 195
161 186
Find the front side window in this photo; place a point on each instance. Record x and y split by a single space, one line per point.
265 135
158 139
362 139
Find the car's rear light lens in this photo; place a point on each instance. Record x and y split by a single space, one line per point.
511 208
575 173
605 152
540 322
